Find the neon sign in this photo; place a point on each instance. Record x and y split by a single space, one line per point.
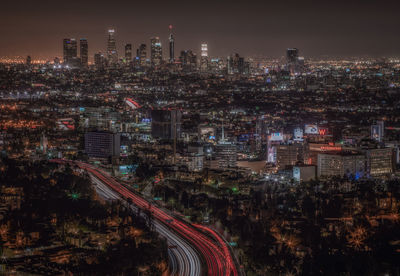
330 148
322 131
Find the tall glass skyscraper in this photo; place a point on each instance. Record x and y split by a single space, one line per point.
292 54
70 50
204 57
142 55
112 54
128 53
155 51
84 52
171 46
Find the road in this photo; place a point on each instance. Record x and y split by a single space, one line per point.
213 251
183 258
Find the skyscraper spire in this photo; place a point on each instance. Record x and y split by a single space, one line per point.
171 45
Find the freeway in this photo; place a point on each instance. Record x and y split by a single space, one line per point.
213 250
183 258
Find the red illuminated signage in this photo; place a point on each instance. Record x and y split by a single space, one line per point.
330 148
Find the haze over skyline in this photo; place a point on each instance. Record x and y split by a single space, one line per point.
251 28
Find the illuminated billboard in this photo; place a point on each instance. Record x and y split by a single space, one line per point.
322 131
296 173
66 124
376 132
206 130
271 154
125 169
243 137
276 136
298 134
124 151
324 147
311 129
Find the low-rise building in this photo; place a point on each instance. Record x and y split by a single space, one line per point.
340 164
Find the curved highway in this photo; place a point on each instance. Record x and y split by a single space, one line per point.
183 259
217 259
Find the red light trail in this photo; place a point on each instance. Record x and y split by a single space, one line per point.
212 247
133 103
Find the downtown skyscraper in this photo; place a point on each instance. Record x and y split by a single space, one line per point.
99 60
292 54
128 53
293 62
84 52
70 50
155 52
171 46
112 54
204 57
142 54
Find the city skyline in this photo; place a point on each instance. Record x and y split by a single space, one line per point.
261 29
190 138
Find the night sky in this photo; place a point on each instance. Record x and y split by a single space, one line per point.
318 28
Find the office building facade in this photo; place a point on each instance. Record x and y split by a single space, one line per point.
70 50
377 131
101 144
165 124
226 155
128 53
112 54
84 52
142 54
380 161
171 46
188 60
204 57
288 155
155 52
341 164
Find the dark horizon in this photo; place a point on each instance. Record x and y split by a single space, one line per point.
256 28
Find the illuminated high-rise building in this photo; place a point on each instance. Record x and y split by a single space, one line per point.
379 161
57 61
225 153
142 54
99 60
216 65
340 164
188 60
229 65
28 60
292 57
377 131
165 124
288 155
171 46
112 54
292 54
155 51
236 64
84 52
101 144
70 48
128 53
204 57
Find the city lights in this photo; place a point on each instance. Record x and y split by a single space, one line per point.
184 139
